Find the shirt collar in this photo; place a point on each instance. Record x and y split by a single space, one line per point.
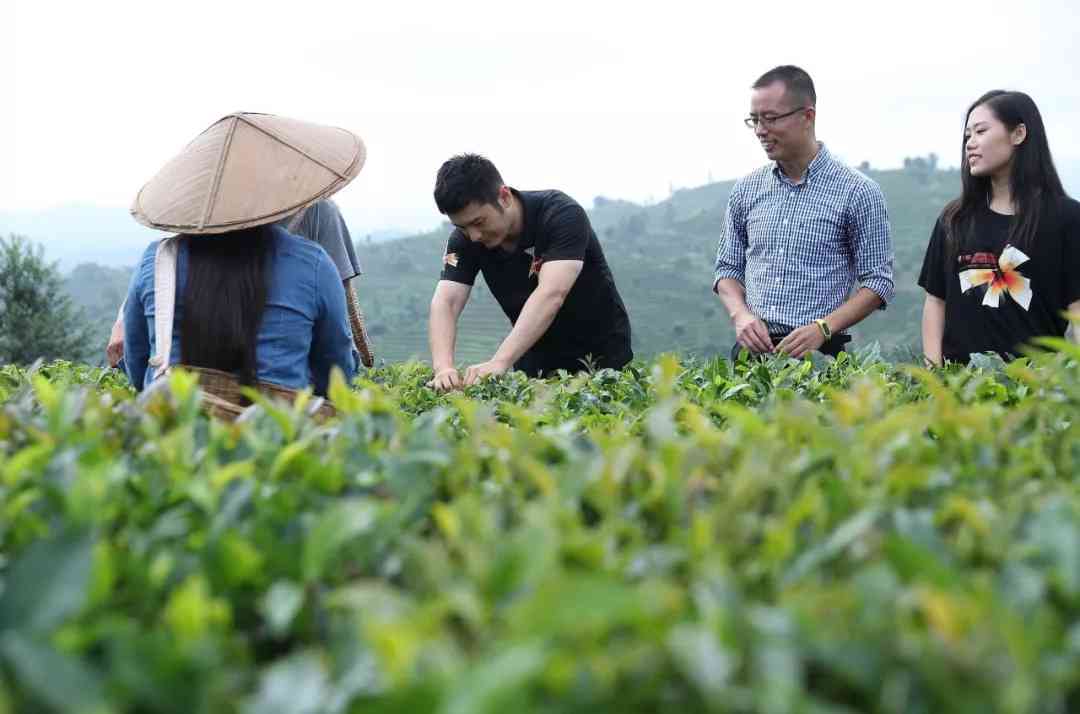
816 164
529 220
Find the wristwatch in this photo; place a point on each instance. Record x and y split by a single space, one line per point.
824 327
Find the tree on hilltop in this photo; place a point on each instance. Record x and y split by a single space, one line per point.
37 316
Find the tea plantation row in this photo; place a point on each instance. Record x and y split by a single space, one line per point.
681 536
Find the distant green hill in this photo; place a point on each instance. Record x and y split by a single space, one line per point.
662 258
98 290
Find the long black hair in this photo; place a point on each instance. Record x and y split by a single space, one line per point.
224 300
1033 180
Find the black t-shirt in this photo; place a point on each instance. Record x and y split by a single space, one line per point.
592 321
997 296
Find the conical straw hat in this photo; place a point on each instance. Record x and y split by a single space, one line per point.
247 170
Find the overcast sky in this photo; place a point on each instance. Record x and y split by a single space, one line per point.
621 99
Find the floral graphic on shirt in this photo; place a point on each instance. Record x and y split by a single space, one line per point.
450 259
535 265
1001 279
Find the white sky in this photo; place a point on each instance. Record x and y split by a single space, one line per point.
622 99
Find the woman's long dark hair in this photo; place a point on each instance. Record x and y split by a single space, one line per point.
224 300
1033 180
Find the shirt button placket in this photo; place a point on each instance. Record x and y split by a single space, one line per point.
789 211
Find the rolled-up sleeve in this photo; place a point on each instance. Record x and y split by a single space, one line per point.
324 224
731 252
332 342
871 241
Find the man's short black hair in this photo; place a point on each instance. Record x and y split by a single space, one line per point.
465 179
798 85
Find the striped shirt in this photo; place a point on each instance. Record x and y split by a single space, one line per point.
800 249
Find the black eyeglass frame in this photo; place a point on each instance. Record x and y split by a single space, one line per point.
752 121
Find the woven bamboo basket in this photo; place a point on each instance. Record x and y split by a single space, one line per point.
222 396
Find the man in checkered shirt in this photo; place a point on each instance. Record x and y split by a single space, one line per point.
800 234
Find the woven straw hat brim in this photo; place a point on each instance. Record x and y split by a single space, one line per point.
247 170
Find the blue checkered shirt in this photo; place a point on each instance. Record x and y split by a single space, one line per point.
800 249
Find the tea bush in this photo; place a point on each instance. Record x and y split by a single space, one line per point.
786 536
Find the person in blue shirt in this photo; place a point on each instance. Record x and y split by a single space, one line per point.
806 251
260 303
322 223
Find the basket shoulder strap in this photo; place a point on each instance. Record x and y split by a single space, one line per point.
164 302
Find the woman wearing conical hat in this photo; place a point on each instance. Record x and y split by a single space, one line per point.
234 291
323 223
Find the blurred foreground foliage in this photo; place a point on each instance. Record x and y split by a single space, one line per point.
814 536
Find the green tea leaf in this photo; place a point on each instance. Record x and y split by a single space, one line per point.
297 685
47 584
59 683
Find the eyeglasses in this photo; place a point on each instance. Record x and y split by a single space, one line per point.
753 120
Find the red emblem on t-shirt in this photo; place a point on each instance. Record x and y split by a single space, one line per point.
534 267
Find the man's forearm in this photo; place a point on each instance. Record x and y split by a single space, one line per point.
442 335
535 318
733 295
854 310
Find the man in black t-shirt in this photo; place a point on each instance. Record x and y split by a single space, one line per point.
543 264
